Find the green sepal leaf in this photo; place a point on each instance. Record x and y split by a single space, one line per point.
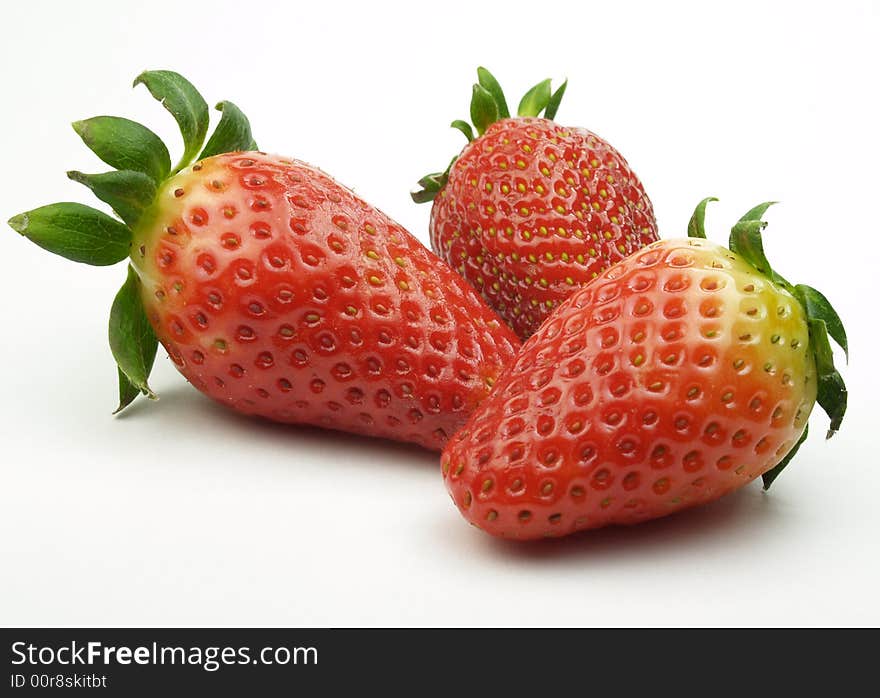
422 196
433 182
697 223
831 391
186 105
817 307
232 134
484 110
535 100
465 128
132 339
127 391
773 473
430 185
491 85
129 193
125 145
76 232
757 213
555 99
832 397
745 239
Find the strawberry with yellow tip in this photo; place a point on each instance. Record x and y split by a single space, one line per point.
679 375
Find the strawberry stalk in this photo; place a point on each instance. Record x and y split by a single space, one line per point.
489 105
822 320
141 164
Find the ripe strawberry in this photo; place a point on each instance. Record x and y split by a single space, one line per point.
530 210
274 289
682 373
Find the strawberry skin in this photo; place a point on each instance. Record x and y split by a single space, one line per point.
679 375
278 292
530 210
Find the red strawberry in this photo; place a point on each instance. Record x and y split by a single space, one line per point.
274 289
530 210
682 373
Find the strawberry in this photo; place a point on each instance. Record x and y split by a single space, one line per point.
274 289
530 210
679 375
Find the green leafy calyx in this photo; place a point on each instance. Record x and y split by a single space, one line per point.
77 232
489 105
822 320
142 164
127 192
132 341
697 224
186 105
232 133
126 145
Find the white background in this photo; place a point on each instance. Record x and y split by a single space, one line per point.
179 513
